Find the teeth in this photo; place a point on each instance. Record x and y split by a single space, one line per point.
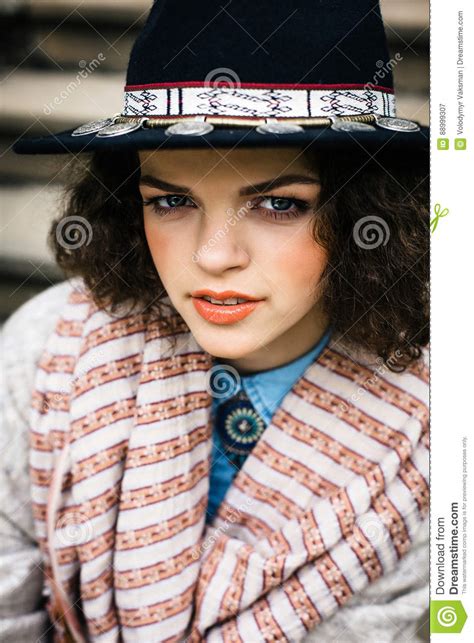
227 302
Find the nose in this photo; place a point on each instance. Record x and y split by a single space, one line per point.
221 242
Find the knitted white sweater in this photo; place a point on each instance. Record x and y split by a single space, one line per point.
393 608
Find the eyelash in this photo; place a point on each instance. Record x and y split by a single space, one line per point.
299 206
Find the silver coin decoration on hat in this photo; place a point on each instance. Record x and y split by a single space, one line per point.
397 124
349 126
275 127
117 129
92 127
190 128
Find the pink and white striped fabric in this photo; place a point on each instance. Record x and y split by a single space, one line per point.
328 501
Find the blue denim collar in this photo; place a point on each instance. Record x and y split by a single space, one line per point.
267 389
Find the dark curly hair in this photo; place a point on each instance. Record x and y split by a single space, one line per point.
372 218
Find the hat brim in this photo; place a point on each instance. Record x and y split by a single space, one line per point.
155 138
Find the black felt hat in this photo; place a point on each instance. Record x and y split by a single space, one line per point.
253 73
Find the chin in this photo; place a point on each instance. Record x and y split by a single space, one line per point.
224 348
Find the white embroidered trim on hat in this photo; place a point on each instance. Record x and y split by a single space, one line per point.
258 102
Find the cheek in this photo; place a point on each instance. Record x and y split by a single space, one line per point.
153 241
165 245
296 264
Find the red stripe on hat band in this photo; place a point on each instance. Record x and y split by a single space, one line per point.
296 86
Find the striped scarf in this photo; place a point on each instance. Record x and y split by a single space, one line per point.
328 501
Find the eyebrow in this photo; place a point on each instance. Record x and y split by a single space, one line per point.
264 186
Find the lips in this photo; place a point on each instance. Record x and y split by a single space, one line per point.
224 313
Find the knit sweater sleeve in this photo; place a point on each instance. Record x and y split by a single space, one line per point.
23 336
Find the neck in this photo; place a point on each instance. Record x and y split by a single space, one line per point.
291 345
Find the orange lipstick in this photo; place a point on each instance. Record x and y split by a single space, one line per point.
223 313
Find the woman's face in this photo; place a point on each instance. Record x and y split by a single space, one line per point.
212 225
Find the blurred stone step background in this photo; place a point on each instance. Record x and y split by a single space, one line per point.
45 44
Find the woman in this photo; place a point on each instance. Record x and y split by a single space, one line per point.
219 469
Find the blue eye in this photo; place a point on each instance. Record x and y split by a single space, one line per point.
280 207
279 203
176 198
283 207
